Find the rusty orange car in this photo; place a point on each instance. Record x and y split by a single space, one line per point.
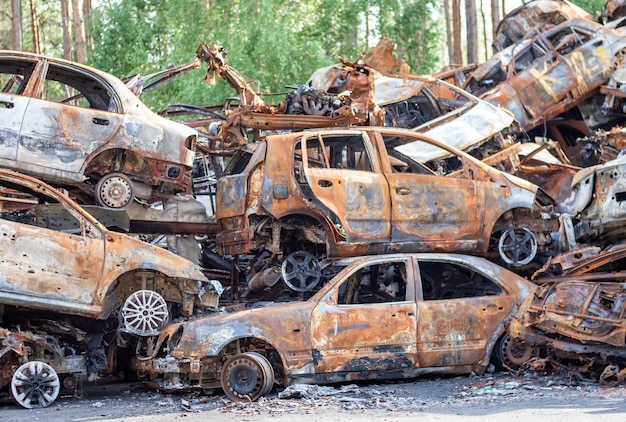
368 190
85 130
376 317
57 257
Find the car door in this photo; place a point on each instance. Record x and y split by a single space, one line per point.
368 321
14 74
69 117
429 210
50 258
459 310
345 180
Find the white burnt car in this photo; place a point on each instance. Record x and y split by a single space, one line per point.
83 129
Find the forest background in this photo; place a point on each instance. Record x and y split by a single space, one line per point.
273 43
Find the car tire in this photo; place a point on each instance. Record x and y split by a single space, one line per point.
247 377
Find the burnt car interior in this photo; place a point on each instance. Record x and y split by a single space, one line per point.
444 280
379 283
14 75
68 86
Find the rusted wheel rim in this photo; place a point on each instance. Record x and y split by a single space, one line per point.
247 376
35 384
514 353
115 191
144 313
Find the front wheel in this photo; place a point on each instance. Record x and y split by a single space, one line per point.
144 313
517 246
35 384
247 376
511 353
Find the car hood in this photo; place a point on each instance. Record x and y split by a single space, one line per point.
469 126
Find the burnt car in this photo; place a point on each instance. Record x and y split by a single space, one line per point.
534 16
555 77
377 317
369 190
85 130
576 318
58 257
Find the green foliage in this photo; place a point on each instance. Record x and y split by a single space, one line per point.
273 43
595 7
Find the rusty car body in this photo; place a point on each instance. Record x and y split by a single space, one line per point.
534 16
579 318
376 317
83 129
57 257
555 77
367 190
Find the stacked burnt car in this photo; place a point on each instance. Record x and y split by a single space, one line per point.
364 160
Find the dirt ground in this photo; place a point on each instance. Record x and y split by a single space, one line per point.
490 397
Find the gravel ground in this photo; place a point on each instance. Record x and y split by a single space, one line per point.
492 397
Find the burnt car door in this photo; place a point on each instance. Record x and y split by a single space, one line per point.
72 113
459 310
345 178
51 257
14 74
437 196
368 321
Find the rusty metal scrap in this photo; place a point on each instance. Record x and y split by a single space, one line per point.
575 316
320 108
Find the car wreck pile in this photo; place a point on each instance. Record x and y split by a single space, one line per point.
374 224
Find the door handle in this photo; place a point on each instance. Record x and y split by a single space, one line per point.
403 191
103 122
597 43
323 183
6 104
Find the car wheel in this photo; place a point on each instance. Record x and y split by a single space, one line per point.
301 271
247 376
144 313
35 384
517 246
511 353
115 190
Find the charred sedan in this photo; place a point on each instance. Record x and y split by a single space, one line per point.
57 257
380 317
77 127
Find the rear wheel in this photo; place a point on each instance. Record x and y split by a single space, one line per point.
247 376
517 246
115 190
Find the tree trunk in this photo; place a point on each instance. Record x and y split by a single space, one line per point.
456 32
471 31
483 20
67 32
449 37
16 25
87 19
79 31
34 19
495 16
